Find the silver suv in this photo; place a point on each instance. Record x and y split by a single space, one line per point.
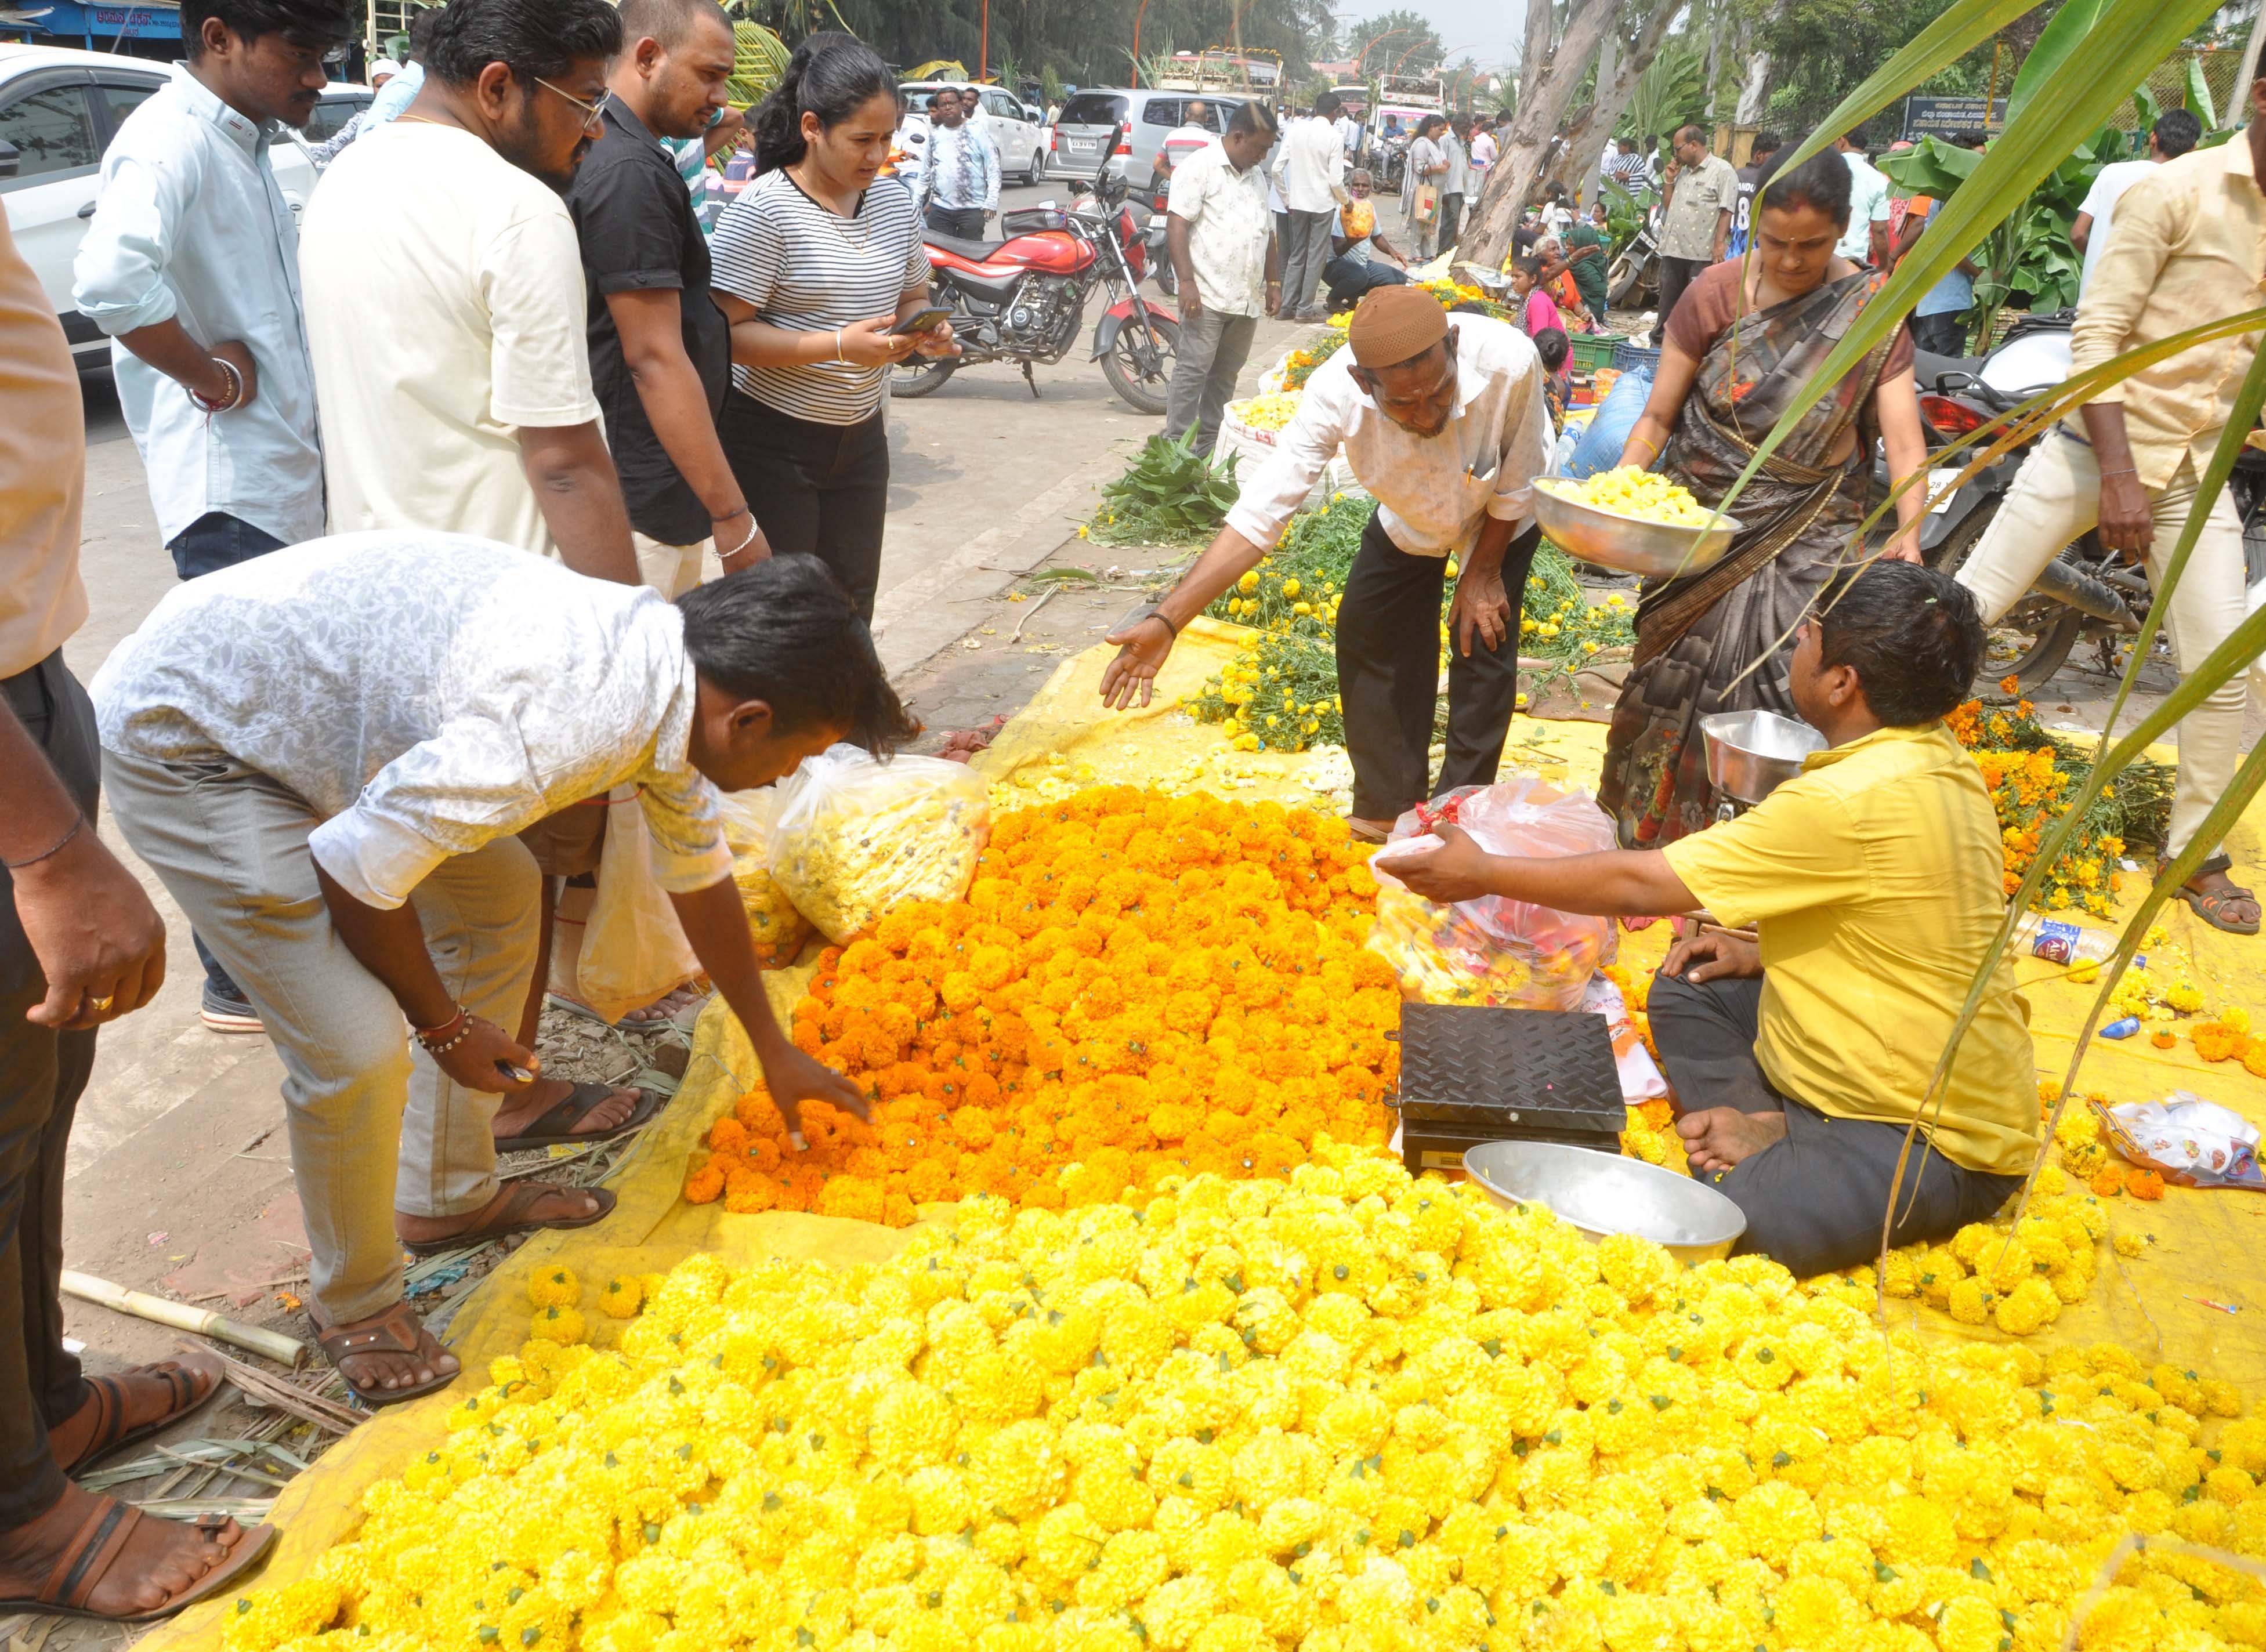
1128 125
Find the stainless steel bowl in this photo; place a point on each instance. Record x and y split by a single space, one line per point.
1604 1192
1752 754
1652 549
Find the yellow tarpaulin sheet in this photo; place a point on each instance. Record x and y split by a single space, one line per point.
2207 1242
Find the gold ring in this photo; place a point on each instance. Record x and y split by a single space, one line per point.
103 1002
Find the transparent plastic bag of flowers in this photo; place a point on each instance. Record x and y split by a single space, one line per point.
777 930
854 836
1491 950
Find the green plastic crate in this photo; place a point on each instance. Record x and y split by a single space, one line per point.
1593 350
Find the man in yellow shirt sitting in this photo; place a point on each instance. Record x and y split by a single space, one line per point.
1873 879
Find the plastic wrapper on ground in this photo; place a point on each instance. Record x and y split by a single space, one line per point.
2185 1140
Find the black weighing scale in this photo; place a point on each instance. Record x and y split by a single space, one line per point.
1471 1073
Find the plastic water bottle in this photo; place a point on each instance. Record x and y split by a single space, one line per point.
2060 941
2123 1028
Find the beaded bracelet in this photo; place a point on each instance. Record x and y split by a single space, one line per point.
462 1021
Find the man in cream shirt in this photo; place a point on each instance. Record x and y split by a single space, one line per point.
1443 419
444 235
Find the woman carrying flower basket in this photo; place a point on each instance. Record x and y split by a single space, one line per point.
1741 342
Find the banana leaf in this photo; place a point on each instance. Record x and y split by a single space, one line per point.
2198 94
2056 46
2091 81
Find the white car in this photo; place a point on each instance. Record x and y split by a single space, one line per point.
1018 131
59 110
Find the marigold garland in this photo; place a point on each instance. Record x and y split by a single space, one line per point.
1136 985
1345 1414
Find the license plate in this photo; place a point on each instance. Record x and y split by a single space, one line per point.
1083 146
1941 484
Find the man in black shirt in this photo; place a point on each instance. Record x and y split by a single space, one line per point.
1750 180
661 351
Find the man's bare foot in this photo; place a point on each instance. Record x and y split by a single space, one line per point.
388 1367
531 1203
162 1559
1717 1138
518 1113
136 1400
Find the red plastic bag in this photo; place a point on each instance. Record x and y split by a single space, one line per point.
1492 950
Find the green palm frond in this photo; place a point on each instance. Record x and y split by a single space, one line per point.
758 64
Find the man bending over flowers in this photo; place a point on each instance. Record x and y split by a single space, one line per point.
327 755
1801 1059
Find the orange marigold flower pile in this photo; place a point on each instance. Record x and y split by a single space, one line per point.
1136 985
2031 789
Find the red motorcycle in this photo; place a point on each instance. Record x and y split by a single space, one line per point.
1022 298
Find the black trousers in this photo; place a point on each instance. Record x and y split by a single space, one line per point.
1451 222
816 490
1389 676
1815 1200
1676 273
1942 334
967 222
1347 279
41 1075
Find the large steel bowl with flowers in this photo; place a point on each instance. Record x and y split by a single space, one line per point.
1632 544
1602 1194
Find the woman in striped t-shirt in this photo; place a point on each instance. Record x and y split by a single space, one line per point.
815 265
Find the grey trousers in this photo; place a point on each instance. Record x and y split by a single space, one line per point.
41 1074
376 1127
1303 258
1815 1200
1211 352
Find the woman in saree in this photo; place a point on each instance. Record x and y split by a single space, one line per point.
1745 339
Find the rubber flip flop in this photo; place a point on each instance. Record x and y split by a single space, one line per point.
396 1331
110 1433
88 1559
557 1129
521 1198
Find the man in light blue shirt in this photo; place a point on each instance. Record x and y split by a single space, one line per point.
960 178
1867 241
191 265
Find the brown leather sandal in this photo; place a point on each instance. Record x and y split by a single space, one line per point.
90 1555
192 1379
521 1198
2210 904
396 1331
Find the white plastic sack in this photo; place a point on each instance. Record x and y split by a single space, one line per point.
855 836
776 927
632 952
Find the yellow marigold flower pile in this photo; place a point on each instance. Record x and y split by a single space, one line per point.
1267 412
1344 1412
1136 985
1630 490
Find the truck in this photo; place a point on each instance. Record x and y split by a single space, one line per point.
1402 101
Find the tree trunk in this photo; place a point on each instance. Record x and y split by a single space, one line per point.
1754 90
1548 77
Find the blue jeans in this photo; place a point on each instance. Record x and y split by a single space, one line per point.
217 540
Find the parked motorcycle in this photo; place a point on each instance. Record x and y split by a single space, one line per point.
2087 594
1022 298
1636 274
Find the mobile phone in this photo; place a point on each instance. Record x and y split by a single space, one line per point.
925 320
